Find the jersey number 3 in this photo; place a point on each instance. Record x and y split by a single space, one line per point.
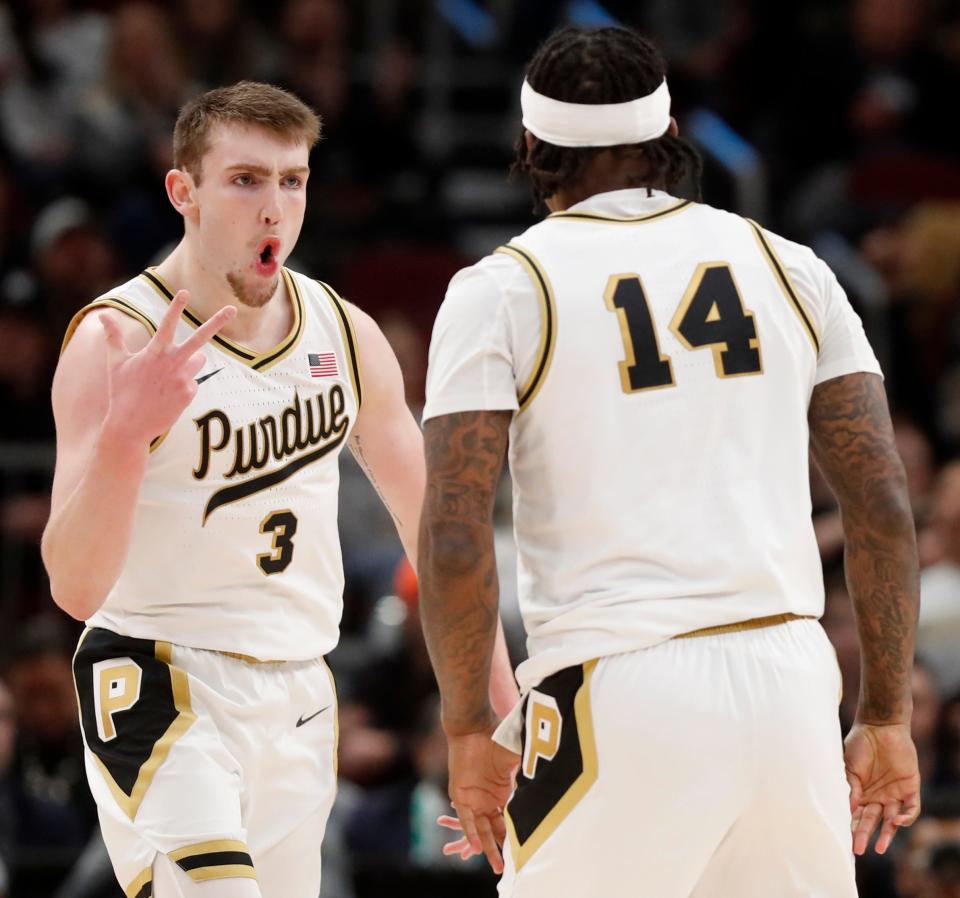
710 315
283 525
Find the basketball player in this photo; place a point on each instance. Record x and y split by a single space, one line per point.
658 368
200 410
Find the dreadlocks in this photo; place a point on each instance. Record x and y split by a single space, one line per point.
607 65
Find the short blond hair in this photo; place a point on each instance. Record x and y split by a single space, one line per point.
250 103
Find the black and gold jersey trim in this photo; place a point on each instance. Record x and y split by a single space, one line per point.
548 321
613 219
142 886
780 272
219 859
258 361
106 302
349 338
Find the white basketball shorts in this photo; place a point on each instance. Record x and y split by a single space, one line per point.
709 767
209 759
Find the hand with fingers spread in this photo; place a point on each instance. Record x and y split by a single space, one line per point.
481 780
884 779
149 389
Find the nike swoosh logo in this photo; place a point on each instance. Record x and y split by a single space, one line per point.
200 380
304 720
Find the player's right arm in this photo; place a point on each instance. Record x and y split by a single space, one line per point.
853 444
115 389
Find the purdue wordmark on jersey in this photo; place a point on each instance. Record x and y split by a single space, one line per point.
235 544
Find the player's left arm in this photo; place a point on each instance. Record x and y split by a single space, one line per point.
386 440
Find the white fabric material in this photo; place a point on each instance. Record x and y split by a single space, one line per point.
641 515
595 124
243 771
720 773
199 582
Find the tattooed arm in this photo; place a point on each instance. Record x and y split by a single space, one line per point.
853 444
459 592
459 597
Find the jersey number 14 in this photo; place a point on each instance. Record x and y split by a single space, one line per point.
711 315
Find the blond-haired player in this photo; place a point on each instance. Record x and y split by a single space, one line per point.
200 410
659 369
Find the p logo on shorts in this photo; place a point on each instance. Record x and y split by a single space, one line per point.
543 731
559 759
134 704
116 688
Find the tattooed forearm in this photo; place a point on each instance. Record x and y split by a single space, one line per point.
458 574
357 448
853 444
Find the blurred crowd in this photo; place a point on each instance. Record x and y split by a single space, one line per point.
838 114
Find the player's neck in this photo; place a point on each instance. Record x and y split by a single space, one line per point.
257 328
564 199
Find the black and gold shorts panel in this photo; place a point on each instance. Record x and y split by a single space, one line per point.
134 704
559 760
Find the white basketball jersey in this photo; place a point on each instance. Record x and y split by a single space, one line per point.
235 544
659 449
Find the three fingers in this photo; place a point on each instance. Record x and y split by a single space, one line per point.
480 835
889 816
163 339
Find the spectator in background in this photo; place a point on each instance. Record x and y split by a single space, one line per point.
380 701
938 633
919 260
948 743
49 757
73 260
222 43
49 54
125 122
40 836
927 863
923 722
395 825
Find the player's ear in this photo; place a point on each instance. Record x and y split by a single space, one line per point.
673 129
529 140
181 191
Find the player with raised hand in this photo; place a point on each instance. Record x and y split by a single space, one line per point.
200 413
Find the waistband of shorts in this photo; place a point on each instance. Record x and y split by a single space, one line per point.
754 623
248 659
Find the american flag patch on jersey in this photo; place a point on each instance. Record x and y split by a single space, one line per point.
323 364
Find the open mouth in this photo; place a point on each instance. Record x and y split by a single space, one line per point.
267 250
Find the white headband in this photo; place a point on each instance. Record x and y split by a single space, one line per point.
595 125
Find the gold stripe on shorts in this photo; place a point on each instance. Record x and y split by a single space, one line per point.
142 886
219 859
754 623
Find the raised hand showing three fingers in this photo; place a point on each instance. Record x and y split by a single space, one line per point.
148 390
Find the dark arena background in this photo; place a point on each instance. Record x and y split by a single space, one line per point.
833 123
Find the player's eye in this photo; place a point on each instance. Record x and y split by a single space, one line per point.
243 180
293 181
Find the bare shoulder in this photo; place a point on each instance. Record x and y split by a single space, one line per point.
377 359
88 337
80 381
